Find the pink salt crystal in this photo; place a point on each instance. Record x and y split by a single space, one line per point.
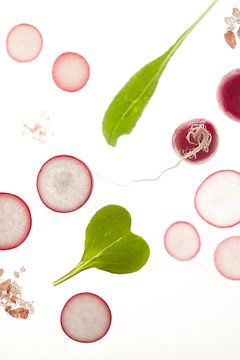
30 307
14 290
1 272
16 274
23 313
21 302
4 285
13 313
230 39
4 298
22 269
236 13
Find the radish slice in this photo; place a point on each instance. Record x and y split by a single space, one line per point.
182 241
70 71
64 183
218 197
227 258
86 318
24 43
15 221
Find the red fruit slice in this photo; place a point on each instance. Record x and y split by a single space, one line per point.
218 197
227 258
195 141
15 221
182 241
64 183
24 43
70 71
86 318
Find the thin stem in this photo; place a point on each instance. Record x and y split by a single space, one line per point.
190 29
74 271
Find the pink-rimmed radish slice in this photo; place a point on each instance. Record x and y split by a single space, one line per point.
15 221
86 317
227 258
24 43
64 183
182 241
218 197
195 141
70 71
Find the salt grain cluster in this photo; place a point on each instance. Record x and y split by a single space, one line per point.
233 28
11 297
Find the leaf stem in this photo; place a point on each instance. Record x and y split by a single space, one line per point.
80 267
190 29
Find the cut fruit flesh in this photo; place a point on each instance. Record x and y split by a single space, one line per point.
218 197
64 183
24 43
227 258
70 71
86 317
15 221
182 241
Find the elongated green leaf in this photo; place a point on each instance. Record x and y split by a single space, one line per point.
128 105
110 245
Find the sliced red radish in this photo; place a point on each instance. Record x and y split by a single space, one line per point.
24 43
218 197
182 241
227 258
64 183
86 318
70 71
15 221
195 141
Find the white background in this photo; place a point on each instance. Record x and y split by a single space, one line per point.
169 310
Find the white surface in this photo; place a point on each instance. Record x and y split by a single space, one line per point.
169 310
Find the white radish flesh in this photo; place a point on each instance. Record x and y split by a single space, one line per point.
64 183
182 241
24 43
218 197
86 318
15 221
70 71
227 258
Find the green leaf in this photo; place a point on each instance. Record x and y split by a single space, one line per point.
128 105
110 245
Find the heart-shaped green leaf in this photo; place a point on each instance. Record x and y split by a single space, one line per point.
110 245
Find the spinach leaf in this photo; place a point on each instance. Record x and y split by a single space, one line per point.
110 245
128 105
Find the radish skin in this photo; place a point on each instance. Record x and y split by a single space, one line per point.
86 318
15 221
64 183
24 43
218 197
182 241
227 258
195 141
70 71
228 94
